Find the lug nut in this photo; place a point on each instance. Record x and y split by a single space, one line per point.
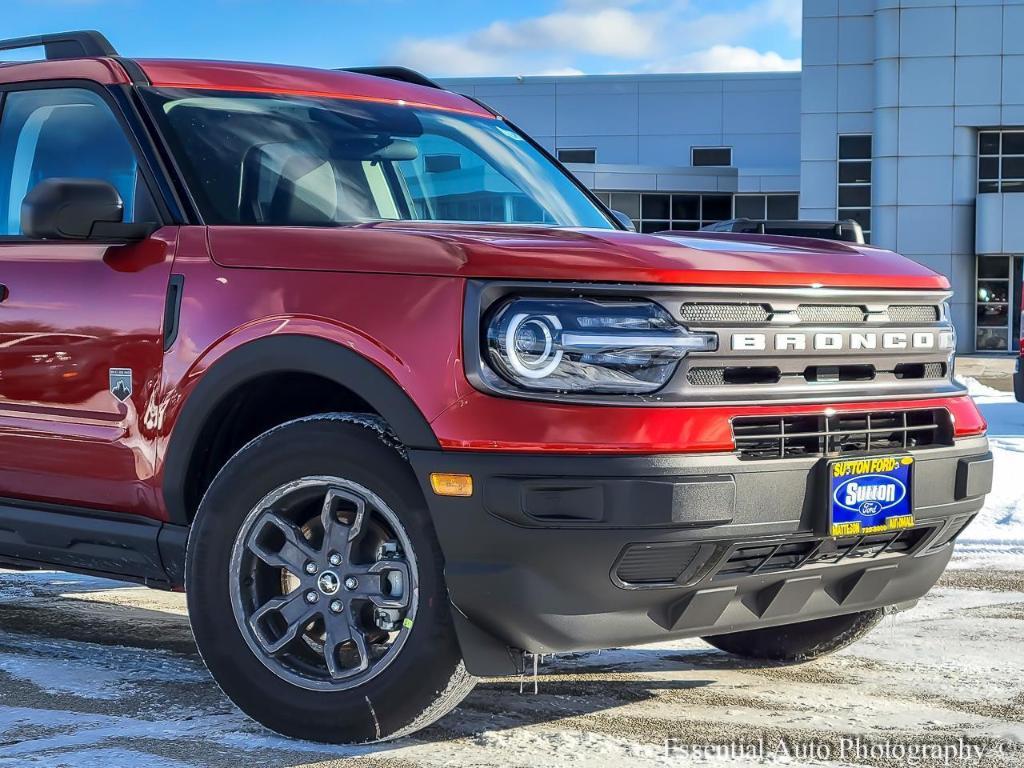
336 606
310 568
312 597
351 583
335 558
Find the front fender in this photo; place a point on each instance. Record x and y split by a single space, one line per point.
283 353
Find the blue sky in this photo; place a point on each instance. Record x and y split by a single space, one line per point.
445 37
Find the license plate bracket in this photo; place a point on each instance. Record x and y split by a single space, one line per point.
870 495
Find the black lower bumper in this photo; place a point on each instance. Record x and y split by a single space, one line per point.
556 554
1018 381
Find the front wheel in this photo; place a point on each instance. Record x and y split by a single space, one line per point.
803 641
316 591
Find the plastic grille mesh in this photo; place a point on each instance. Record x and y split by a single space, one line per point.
830 314
913 313
750 314
706 377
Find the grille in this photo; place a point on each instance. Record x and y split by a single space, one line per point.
830 314
706 377
920 371
780 437
746 314
699 313
913 313
747 375
755 558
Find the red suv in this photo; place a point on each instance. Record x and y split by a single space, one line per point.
355 363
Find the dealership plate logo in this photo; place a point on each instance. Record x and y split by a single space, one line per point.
870 495
121 383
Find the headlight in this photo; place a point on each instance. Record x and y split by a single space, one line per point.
586 345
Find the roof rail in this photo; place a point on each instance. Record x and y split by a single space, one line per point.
402 74
64 45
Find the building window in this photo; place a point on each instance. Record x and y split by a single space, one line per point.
1001 161
588 156
762 207
854 175
714 156
998 296
658 211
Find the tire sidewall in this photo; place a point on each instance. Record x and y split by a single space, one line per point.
400 693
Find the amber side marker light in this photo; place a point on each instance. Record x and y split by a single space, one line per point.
451 485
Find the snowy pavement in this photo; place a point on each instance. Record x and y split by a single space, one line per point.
996 537
96 673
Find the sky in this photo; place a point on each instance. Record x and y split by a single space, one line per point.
444 37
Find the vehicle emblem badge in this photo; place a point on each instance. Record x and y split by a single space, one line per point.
329 583
121 383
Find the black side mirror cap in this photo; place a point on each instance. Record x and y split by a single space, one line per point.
78 209
624 220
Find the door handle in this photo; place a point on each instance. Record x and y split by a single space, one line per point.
3 292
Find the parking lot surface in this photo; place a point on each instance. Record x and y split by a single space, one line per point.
96 673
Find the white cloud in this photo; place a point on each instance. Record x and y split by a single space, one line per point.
447 57
606 31
623 35
562 72
727 58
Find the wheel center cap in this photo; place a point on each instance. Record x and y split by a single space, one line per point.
329 583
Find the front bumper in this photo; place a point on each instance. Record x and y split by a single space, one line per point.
564 553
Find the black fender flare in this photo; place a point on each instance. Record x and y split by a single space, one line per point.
285 353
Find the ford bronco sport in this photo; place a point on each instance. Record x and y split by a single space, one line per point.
394 399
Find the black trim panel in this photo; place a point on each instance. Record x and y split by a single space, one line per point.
172 309
552 582
91 541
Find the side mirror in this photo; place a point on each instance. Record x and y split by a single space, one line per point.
78 209
624 220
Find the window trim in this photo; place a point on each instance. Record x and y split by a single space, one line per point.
698 222
766 196
131 134
1012 280
840 185
999 157
709 165
559 150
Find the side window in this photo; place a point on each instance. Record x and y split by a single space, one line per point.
61 132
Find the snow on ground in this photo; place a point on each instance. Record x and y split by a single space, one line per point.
996 537
948 670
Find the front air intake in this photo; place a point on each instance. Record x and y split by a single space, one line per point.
781 437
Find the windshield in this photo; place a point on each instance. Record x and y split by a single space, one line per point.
283 160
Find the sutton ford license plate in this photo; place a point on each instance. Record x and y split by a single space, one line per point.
870 495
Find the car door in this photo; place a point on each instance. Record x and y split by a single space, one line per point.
80 321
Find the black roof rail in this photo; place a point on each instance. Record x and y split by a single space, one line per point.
403 74
64 45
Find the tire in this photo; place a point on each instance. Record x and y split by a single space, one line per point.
804 641
346 474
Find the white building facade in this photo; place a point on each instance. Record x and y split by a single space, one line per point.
908 116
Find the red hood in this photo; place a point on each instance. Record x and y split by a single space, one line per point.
542 253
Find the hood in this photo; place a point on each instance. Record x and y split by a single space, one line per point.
544 253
